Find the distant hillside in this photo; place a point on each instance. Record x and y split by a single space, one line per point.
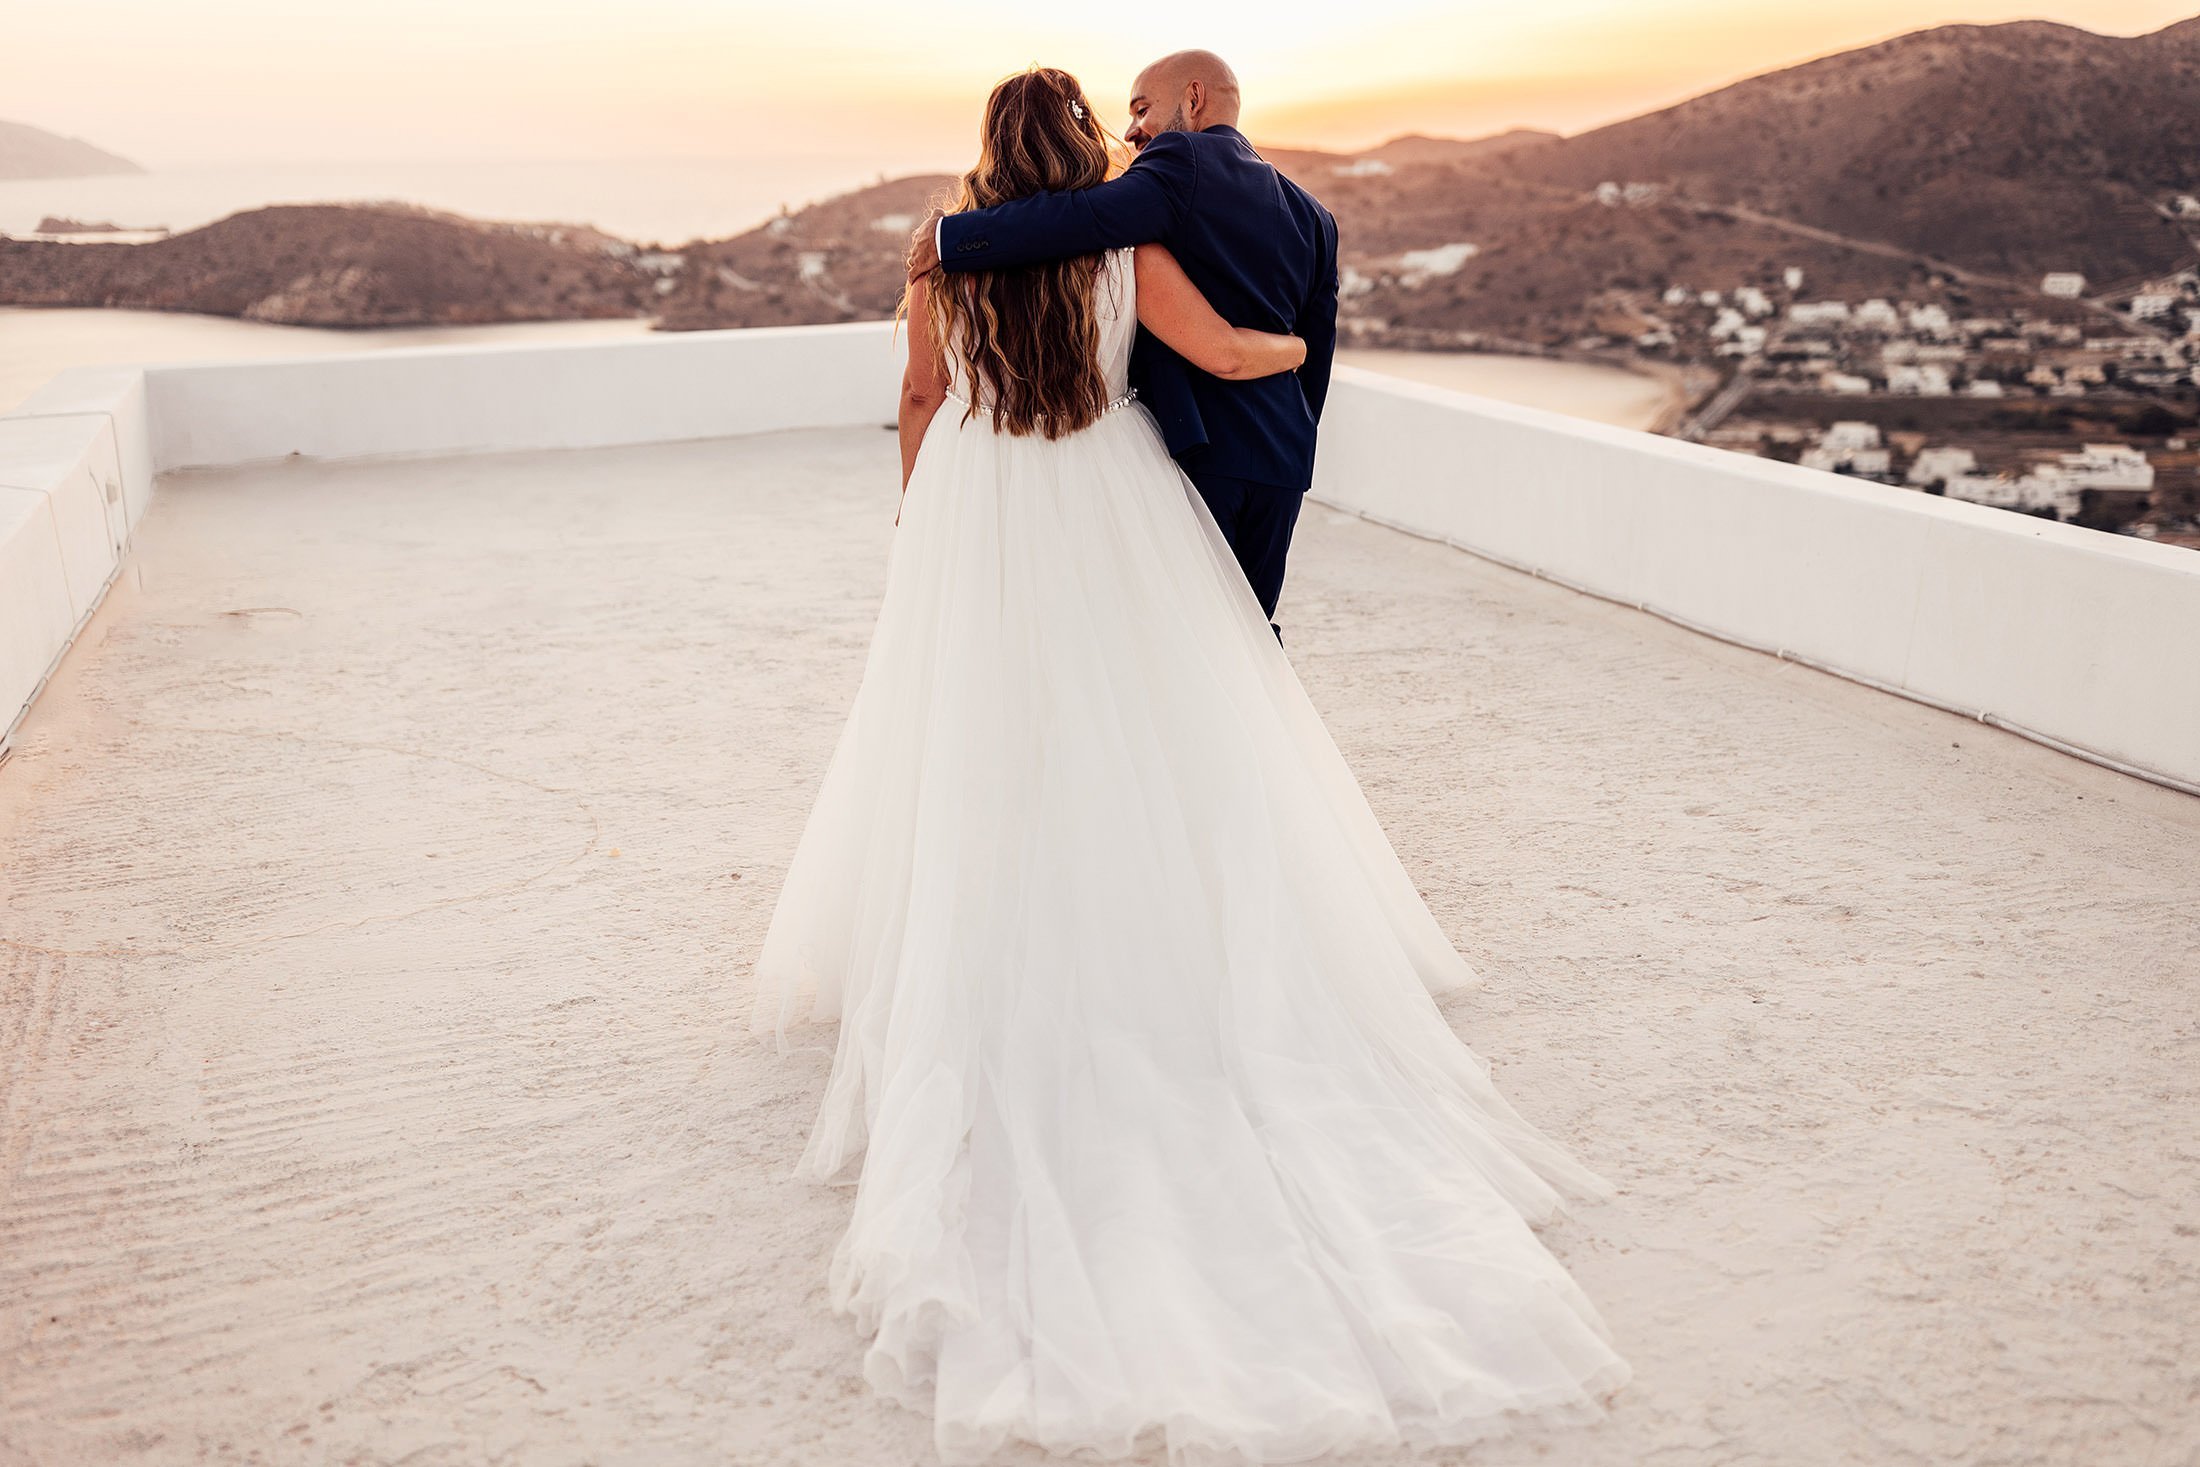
2013 149
841 260
2008 151
836 261
341 265
1312 164
30 152
1414 148
1546 265
1439 255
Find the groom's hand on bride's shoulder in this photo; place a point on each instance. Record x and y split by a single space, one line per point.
924 246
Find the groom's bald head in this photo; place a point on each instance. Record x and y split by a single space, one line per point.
1185 91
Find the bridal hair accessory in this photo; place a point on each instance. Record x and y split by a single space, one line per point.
1077 109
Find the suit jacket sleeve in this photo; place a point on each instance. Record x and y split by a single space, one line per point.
1140 206
1317 325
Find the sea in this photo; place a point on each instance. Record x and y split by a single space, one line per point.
648 201
667 201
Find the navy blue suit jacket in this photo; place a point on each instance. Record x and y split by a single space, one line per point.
1260 248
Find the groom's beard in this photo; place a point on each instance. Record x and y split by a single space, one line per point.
1177 122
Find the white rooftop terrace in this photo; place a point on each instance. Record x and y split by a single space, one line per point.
381 869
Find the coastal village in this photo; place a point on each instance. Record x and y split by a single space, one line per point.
2049 394
2077 404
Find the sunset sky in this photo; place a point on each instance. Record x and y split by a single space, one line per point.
223 81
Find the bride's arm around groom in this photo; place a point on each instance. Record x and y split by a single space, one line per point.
1172 308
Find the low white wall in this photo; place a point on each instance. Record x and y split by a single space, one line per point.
78 458
75 474
2079 637
465 399
2076 637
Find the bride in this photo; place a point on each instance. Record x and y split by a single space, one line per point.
1162 1137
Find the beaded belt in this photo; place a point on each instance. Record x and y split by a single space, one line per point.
1120 402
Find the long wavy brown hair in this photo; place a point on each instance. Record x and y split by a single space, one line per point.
1030 334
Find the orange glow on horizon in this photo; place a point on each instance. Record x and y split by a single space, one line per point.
510 79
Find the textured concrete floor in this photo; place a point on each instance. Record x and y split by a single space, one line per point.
378 886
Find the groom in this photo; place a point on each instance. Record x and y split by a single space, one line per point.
1260 248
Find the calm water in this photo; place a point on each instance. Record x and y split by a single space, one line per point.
1579 390
650 201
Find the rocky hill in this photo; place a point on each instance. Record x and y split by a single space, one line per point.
1414 148
1439 253
30 152
2012 149
1409 149
342 265
836 261
1494 263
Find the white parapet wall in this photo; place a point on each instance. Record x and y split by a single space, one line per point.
2079 638
442 400
2072 636
78 459
75 474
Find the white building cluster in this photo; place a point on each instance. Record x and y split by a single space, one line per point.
1851 448
1922 348
1613 194
2056 488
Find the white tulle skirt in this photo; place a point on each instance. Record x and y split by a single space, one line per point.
1162 1137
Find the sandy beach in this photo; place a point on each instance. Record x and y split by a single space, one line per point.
1625 399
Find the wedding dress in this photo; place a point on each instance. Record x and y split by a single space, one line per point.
1162 1137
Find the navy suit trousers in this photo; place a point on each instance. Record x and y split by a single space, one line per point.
1257 520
